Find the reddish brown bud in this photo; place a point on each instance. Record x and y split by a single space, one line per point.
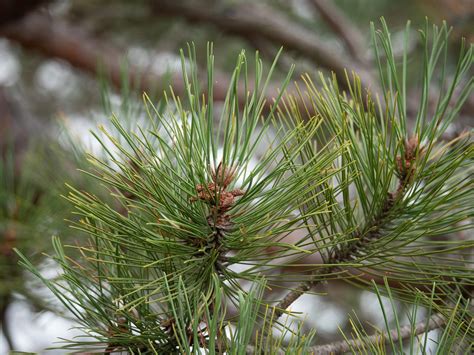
215 194
406 166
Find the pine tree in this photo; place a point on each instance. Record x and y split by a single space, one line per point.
187 258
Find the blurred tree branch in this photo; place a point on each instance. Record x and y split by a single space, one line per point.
54 39
342 26
249 20
70 43
257 23
51 38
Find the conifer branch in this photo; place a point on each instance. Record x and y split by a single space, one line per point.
151 278
436 321
405 171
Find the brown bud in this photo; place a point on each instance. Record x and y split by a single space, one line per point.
410 147
223 176
406 166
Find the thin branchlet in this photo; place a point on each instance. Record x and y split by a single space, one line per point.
371 231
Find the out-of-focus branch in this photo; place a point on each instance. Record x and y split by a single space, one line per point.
269 51
405 332
343 27
39 32
251 19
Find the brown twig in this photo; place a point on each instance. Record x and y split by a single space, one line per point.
343 27
436 321
53 38
338 257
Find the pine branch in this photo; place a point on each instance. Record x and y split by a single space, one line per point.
194 200
436 321
405 332
364 236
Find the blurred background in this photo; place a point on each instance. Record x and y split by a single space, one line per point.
52 54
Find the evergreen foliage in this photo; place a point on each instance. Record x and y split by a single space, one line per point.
197 213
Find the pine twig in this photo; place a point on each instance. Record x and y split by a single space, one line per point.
436 321
405 170
338 257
